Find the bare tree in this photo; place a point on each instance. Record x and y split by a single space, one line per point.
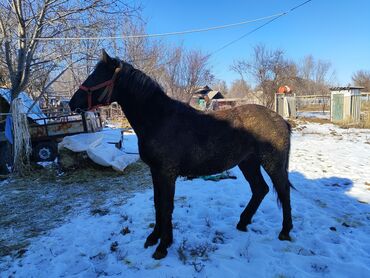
178 70
30 45
28 29
314 77
144 53
362 78
196 71
239 89
3 79
322 71
307 68
269 69
220 85
185 71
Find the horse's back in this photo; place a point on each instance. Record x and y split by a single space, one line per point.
257 119
269 130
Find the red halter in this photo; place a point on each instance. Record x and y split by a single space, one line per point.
107 92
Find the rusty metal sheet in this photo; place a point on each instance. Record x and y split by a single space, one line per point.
65 128
38 131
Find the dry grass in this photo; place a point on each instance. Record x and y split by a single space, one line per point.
304 120
365 106
365 124
30 206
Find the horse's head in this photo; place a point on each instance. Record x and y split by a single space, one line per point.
99 87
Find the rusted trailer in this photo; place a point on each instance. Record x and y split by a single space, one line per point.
47 132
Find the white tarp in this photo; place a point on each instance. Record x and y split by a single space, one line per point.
100 147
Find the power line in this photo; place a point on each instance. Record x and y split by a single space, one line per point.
260 27
271 17
161 34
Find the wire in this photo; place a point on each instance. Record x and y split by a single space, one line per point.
160 34
259 27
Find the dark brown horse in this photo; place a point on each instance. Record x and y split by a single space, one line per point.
177 140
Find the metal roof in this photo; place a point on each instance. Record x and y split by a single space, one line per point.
35 113
212 94
346 88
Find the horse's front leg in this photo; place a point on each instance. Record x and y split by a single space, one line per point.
155 235
164 183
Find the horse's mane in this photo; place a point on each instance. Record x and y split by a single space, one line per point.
143 88
138 83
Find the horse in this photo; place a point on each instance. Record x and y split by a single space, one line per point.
175 140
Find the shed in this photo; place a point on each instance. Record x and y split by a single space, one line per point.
345 104
286 105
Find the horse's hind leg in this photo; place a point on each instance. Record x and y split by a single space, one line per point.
279 178
251 170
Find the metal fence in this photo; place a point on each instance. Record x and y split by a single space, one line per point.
313 106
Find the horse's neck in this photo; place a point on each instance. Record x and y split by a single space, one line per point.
145 115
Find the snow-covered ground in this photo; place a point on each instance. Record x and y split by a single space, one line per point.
331 213
314 114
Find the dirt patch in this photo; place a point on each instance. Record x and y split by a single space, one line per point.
30 206
313 120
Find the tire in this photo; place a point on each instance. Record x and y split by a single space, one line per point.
45 151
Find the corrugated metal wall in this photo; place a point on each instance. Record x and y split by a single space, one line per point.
356 108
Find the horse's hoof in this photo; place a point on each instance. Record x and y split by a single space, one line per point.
285 237
159 254
241 227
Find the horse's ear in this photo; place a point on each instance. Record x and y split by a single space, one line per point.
105 57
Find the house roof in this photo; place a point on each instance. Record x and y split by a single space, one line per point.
202 90
35 113
212 94
207 91
346 88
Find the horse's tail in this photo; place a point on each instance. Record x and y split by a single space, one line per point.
289 126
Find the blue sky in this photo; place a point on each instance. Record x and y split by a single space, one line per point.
333 30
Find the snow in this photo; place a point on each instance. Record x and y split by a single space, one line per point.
329 167
100 147
314 114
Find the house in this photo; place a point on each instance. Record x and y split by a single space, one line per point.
203 96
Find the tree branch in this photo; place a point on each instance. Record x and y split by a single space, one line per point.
43 91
